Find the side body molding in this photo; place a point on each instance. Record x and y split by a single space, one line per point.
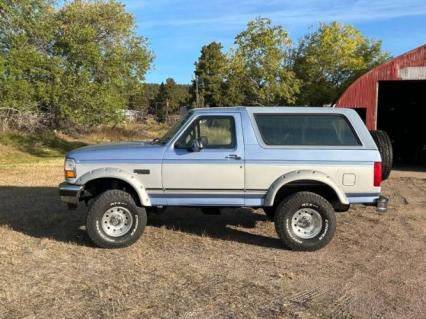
117 173
306 175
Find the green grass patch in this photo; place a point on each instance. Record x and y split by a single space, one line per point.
18 148
40 145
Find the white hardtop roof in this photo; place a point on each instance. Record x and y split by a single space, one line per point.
273 109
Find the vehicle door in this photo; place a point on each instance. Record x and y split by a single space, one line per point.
205 164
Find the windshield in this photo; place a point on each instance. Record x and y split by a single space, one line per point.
166 138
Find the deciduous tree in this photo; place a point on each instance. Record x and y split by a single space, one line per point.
79 62
103 59
27 59
259 72
330 58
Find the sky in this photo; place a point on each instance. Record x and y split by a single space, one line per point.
176 30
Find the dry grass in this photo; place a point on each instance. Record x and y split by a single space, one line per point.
190 265
17 148
147 130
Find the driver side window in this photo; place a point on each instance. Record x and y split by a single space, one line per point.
214 132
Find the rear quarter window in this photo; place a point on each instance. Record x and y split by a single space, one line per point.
306 129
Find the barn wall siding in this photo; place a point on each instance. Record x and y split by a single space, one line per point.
362 93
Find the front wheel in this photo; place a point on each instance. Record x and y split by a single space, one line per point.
305 221
114 220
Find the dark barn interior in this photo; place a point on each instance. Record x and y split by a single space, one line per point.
402 114
362 112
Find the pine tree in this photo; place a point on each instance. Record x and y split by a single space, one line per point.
210 73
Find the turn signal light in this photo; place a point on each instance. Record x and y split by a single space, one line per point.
70 168
70 174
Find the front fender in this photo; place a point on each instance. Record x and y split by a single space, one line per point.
117 173
299 175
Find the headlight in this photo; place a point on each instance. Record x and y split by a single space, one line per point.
69 168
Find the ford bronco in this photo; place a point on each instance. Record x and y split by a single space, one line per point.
299 164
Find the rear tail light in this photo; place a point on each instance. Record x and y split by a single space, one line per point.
377 173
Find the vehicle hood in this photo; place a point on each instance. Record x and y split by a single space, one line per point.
129 151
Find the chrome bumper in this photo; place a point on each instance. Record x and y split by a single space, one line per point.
70 193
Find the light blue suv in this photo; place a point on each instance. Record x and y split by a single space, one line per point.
299 164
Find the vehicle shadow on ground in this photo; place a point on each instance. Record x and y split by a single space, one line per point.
223 226
38 212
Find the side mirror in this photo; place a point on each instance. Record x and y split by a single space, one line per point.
197 145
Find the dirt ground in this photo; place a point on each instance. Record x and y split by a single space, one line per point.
190 265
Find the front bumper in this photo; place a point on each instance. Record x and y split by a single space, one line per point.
70 193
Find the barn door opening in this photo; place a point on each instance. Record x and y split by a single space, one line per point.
401 105
362 112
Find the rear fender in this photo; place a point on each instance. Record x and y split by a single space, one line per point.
300 175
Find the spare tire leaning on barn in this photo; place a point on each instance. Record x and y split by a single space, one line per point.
384 145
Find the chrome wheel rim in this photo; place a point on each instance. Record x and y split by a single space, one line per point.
117 221
306 223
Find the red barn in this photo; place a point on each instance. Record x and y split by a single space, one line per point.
392 97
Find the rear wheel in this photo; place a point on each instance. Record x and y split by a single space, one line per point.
114 220
383 142
305 221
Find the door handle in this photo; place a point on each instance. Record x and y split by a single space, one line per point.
233 156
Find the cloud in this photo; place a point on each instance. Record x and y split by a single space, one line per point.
149 4
221 12
178 29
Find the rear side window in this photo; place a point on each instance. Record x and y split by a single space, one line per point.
306 129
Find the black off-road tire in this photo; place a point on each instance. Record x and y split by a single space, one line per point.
290 207
270 212
383 142
106 201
